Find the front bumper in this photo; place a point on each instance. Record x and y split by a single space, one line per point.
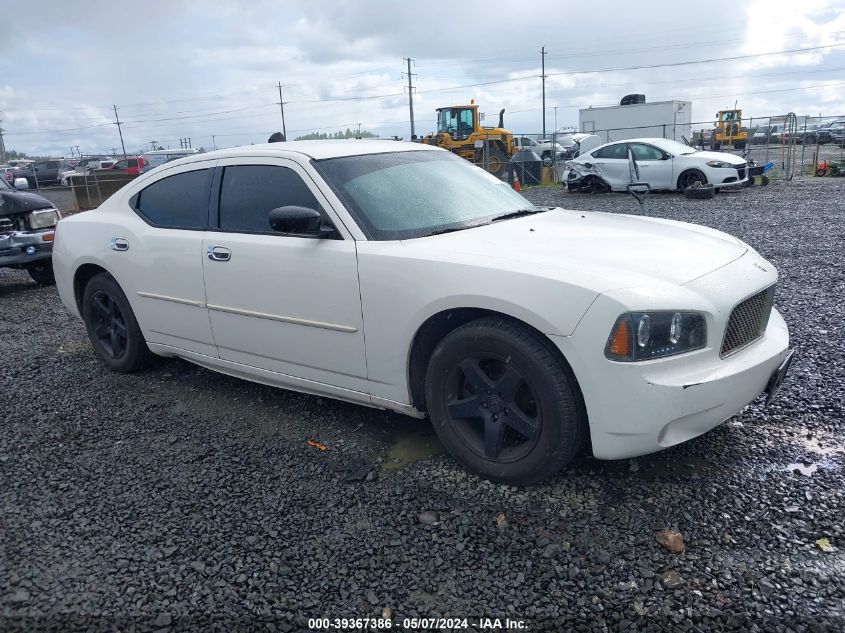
642 407
22 248
725 177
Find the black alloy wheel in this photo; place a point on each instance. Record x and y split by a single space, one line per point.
109 324
492 408
503 402
112 328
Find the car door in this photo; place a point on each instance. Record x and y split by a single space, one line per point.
286 304
158 258
611 162
655 165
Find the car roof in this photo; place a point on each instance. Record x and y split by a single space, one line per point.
316 149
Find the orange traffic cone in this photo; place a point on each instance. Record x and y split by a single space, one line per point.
516 185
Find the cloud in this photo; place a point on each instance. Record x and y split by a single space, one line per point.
195 63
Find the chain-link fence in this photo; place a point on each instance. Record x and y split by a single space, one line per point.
789 145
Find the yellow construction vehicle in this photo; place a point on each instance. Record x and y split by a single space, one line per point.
729 130
459 130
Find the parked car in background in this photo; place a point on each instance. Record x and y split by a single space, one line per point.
8 173
27 225
84 168
161 156
526 143
833 132
635 333
761 135
43 172
806 133
663 163
132 165
777 134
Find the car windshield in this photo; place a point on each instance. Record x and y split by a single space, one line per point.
674 147
403 195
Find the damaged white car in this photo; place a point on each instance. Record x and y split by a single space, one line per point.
663 164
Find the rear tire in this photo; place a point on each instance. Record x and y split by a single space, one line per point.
502 403
42 272
112 327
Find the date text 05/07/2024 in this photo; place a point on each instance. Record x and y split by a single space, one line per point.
419 624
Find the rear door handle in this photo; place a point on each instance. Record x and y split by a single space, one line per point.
219 253
119 244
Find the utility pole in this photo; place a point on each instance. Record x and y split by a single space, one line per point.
2 145
119 131
153 145
214 143
543 76
410 94
282 108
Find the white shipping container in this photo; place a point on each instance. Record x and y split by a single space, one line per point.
662 119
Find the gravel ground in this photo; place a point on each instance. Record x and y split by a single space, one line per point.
182 499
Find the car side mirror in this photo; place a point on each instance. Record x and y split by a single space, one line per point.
299 221
21 184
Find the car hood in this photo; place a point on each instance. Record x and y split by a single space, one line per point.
727 158
21 202
603 251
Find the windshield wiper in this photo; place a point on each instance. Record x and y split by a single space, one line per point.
452 229
517 214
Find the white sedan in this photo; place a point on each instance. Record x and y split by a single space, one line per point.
663 163
399 276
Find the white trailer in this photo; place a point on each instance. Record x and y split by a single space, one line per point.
663 119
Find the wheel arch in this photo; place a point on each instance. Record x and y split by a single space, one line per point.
81 276
435 328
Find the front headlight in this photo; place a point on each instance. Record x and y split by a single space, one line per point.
720 164
43 218
646 335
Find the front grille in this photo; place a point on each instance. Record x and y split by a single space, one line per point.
741 172
748 321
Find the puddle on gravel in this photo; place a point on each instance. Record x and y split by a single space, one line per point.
808 467
412 442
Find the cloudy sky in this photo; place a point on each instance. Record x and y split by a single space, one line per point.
179 68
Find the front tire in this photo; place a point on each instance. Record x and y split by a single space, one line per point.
502 403
691 178
112 327
42 272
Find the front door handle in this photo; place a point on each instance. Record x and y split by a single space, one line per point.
119 244
219 253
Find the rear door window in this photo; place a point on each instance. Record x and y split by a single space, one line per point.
177 202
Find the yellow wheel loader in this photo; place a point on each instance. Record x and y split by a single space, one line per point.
460 131
729 130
